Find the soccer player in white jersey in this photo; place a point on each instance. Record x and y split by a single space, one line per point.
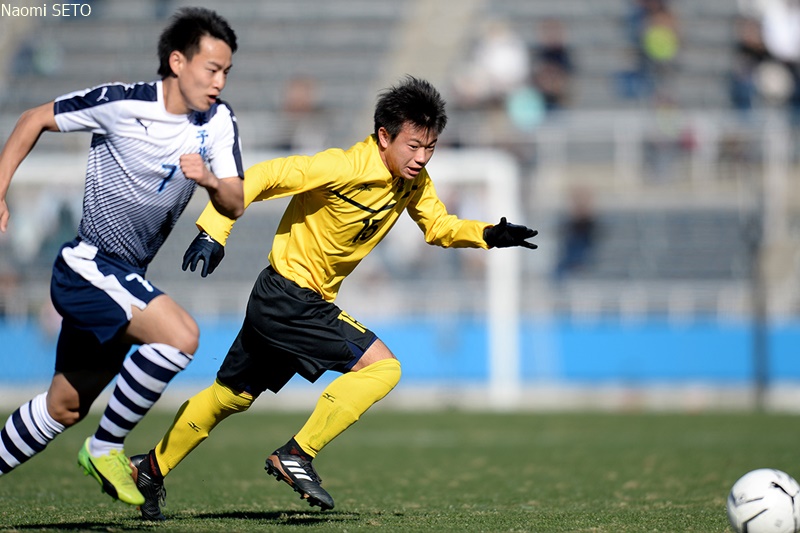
152 145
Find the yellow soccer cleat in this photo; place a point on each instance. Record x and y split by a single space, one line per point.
113 472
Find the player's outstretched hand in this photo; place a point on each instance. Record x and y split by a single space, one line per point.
206 248
505 235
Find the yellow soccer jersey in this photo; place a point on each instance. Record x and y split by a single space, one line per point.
344 203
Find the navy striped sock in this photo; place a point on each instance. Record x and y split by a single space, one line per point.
27 432
143 378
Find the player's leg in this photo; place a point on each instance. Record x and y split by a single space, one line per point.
114 302
35 423
168 336
26 432
323 337
83 368
349 396
240 380
196 418
341 404
107 306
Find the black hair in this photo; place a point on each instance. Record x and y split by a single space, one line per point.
413 101
184 32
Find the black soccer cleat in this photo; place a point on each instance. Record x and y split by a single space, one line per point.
290 464
151 484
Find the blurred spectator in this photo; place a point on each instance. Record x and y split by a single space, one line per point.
526 108
749 53
660 44
781 34
652 28
781 30
578 235
499 66
553 64
302 123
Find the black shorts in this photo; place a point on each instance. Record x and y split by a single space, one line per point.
290 330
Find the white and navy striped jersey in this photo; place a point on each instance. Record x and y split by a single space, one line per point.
135 190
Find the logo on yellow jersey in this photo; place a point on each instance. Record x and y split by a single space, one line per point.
352 321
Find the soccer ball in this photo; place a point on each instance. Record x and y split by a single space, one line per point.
765 501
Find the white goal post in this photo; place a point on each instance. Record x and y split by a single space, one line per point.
498 172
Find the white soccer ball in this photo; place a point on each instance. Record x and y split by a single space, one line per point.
765 501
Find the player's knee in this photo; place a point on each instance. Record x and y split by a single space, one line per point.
388 371
186 338
231 401
396 371
375 353
188 344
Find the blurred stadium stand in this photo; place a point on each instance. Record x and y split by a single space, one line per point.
691 201
348 49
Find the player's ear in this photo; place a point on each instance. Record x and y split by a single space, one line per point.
176 61
383 138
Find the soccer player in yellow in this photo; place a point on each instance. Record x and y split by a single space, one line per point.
343 203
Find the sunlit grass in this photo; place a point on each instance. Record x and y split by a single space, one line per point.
447 471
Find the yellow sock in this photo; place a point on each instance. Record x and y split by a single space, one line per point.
344 401
195 420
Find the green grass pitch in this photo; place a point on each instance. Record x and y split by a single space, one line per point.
443 471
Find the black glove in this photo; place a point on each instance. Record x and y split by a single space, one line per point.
505 235
205 248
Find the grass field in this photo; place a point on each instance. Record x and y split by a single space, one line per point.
448 471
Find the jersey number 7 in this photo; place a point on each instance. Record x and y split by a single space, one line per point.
170 172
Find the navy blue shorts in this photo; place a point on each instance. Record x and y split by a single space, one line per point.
290 330
94 295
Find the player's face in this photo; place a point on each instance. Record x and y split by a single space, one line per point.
407 154
201 79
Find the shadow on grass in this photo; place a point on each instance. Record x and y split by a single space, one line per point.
298 518
283 517
104 525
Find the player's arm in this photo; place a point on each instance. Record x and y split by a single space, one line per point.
23 138
211 250
273 178
440 227
226 194
276 178
219 169
449 231
215 226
